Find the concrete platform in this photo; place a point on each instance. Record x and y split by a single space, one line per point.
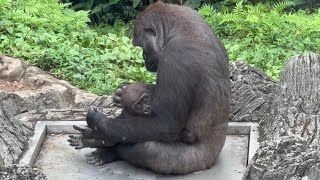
49 151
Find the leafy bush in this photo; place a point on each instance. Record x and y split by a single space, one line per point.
57 39
263 36
107 11
226 5
110 11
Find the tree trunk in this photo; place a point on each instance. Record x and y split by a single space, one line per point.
289 136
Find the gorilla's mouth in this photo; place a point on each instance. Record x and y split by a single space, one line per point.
147 112
150 65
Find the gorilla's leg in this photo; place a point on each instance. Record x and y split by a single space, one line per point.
168 158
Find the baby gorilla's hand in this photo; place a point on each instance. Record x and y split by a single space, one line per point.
118 93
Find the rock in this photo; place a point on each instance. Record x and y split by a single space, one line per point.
16 172
14 137
252 93
42 98
11 69
47 98
288 112
66 114
289 135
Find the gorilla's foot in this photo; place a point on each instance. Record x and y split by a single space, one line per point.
101 156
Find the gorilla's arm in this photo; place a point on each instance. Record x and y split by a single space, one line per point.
172 100
152 90
87 138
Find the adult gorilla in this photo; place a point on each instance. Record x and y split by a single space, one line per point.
192 91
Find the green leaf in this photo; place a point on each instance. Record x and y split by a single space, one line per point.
113 2
80 5
299 2
97 9
10 30
193 3
135 3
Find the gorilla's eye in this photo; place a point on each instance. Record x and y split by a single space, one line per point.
150 30
144 99
138 106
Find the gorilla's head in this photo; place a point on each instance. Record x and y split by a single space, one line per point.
150 36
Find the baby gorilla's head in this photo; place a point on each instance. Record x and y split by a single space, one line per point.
136 99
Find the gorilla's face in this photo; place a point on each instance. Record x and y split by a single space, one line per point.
150 62
147 38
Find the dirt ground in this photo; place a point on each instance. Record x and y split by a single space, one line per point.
13 86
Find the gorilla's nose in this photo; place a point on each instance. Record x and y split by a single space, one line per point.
147 109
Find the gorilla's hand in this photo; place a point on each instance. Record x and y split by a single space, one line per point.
87 132
98 122
76 141
79 142
118 93
93 117
87 138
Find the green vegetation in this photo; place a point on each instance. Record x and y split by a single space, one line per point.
58 39
263 36
109 11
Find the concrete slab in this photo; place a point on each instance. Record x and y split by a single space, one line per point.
59 161
51 152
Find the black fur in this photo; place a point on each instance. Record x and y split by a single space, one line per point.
192 92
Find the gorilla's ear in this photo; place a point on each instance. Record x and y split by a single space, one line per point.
150 31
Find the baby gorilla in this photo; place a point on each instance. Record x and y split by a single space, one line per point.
135 101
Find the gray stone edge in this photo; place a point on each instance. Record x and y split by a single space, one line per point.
43 128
